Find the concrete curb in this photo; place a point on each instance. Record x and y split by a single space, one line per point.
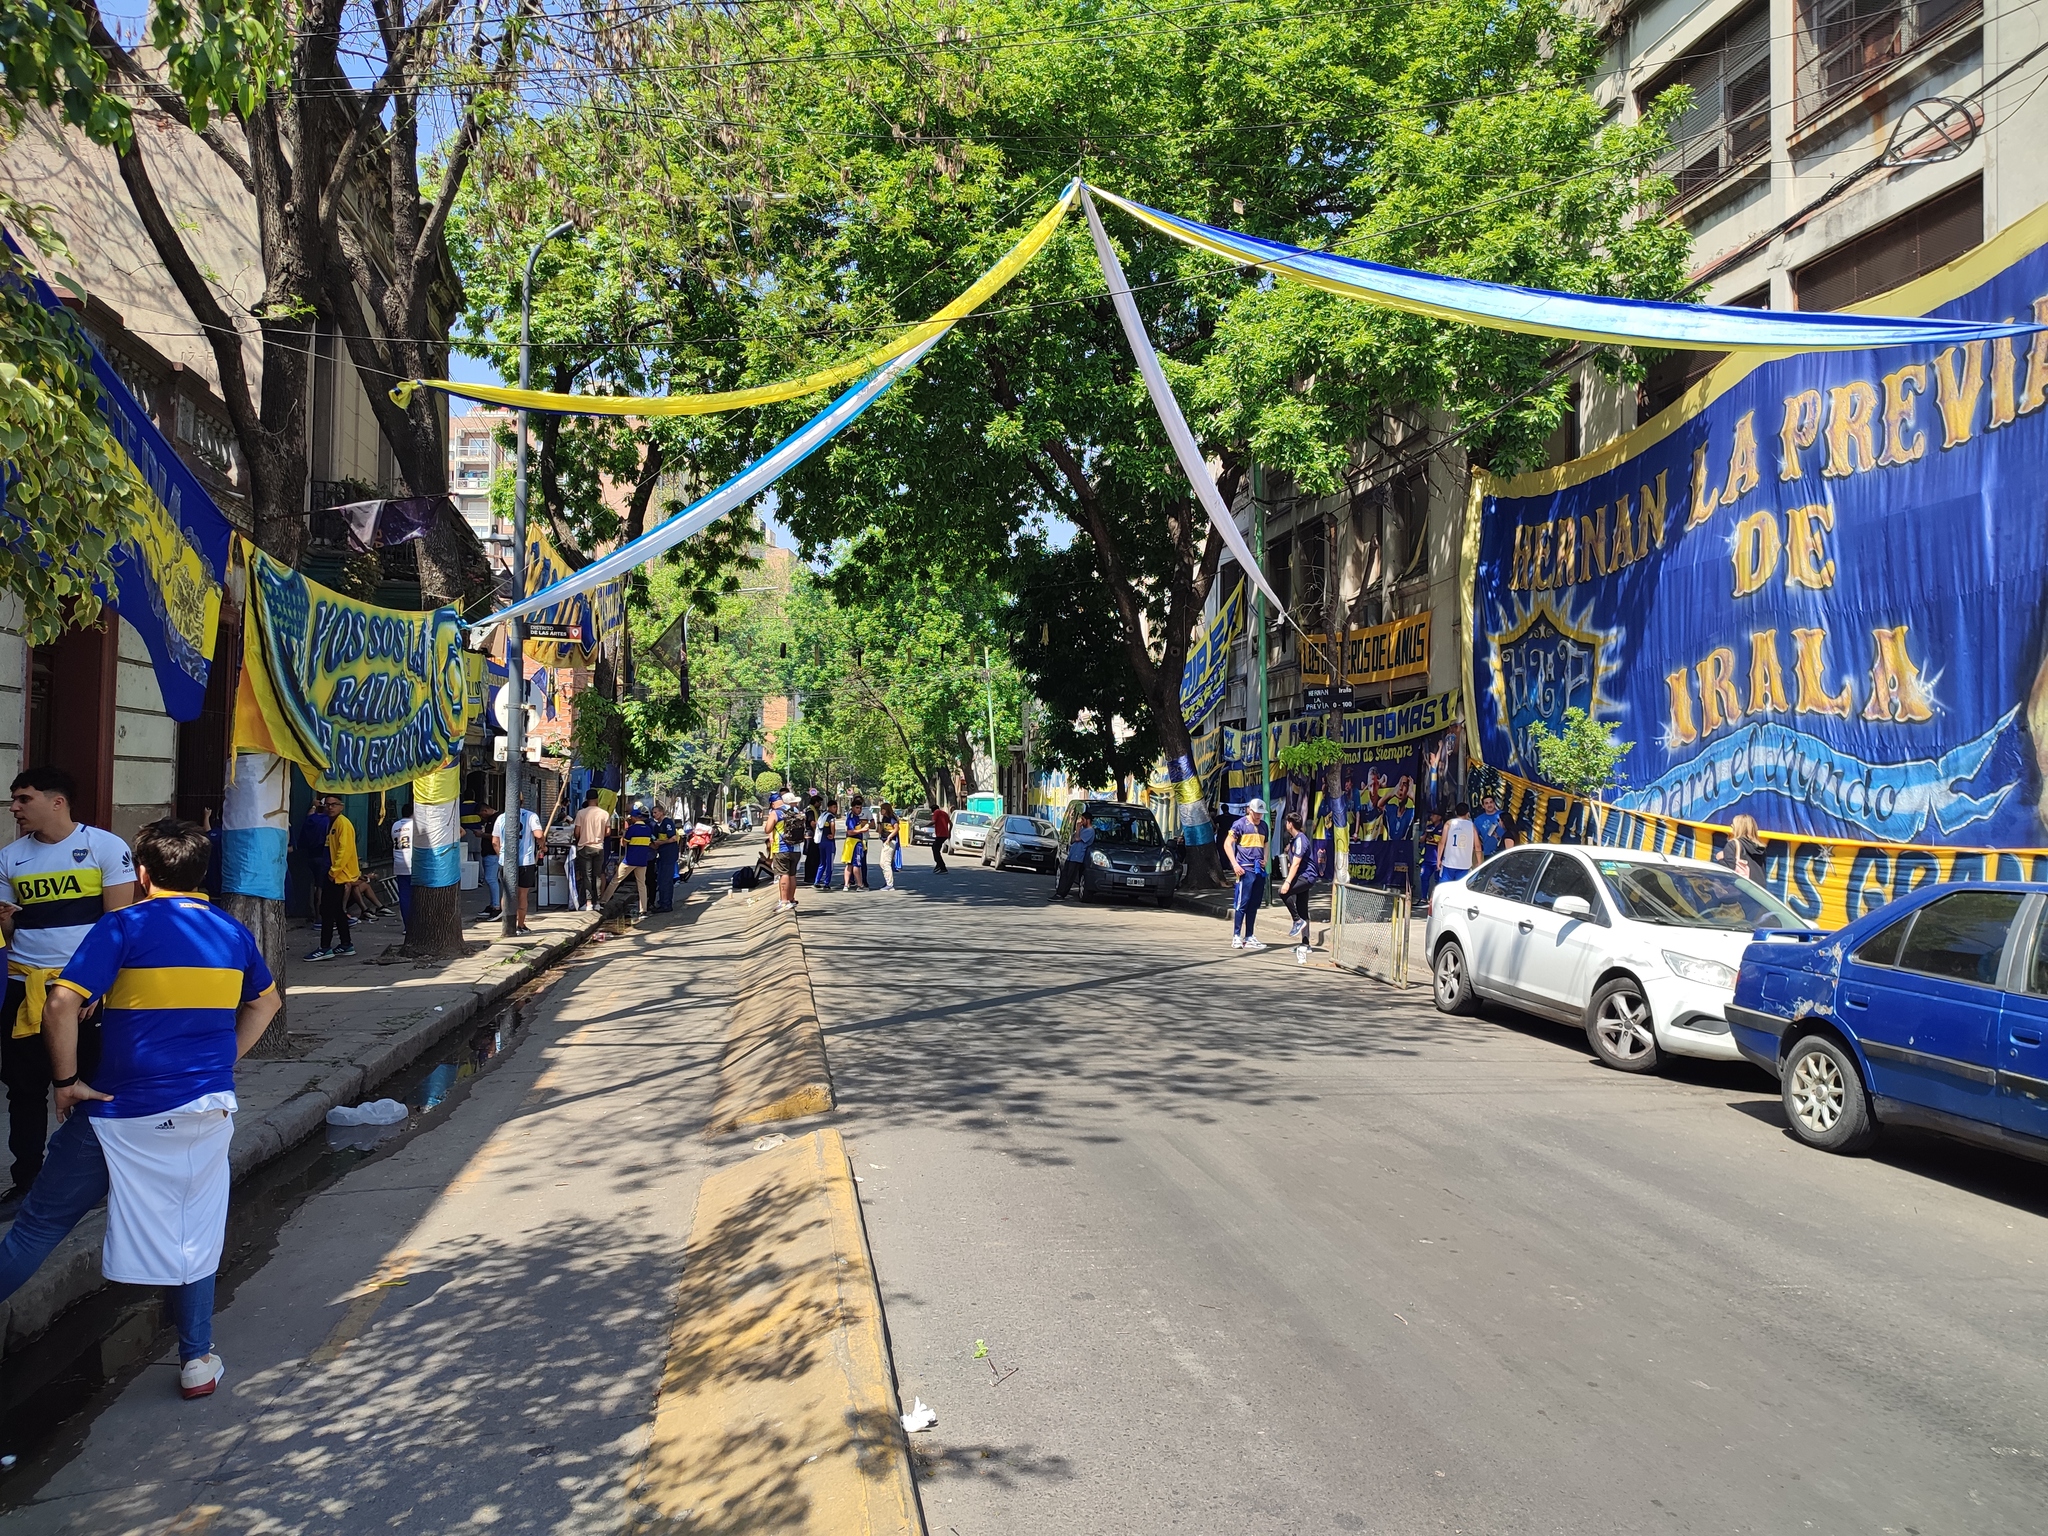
72 1273
778 1407
773 1066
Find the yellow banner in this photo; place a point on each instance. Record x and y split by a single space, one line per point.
767 394
362 698
1827 882
1375 655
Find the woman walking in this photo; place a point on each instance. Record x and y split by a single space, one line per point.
822 855
1299 880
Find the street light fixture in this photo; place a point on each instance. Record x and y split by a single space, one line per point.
515 642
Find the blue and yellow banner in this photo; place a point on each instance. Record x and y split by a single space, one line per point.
169 570
1202 680
1814 590
569 633
362 698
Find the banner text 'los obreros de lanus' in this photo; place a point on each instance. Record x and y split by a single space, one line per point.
362 698
1814 590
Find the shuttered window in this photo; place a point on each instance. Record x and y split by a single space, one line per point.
1917 241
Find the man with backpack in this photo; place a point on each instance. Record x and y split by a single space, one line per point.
785 849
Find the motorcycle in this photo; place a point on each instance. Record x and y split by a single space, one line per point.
700 839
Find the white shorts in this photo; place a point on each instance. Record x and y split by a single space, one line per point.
167 1201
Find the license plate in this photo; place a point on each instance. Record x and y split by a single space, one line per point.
1133 880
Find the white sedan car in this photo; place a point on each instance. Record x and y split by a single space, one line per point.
1641 949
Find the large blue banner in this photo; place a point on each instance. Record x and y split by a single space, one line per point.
1815 590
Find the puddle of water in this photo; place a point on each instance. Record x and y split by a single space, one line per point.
52 1387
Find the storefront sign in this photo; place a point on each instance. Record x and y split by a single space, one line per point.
1376 655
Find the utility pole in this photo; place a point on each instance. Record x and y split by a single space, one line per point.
1336 637
1259 643
515 641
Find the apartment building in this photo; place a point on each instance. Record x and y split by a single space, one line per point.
1834 149
477 450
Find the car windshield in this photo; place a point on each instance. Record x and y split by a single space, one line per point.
1124 825
1676 897
1021 826
972 819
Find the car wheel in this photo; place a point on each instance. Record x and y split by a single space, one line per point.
1166 898
1618 1027
1454 981
1824 1097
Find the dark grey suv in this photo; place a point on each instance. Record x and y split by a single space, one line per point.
1129 857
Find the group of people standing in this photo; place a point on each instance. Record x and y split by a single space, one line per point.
811 839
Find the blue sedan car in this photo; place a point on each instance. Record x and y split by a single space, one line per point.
1930 1011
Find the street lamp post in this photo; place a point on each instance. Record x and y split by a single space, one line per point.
515 642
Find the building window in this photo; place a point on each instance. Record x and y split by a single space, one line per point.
1280 568
1842 45
1917 241
475 447
1728 125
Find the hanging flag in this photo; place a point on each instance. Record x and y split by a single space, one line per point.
736 492
168 573
1578 316
381 524
362 698
917 338
1208 666
571 632
1184 449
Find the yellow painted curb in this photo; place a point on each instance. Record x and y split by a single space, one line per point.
778 1407
773 1067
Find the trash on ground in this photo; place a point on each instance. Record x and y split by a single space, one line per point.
376 1112
919 1417
764 1143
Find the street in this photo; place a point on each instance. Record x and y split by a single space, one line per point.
1174 1239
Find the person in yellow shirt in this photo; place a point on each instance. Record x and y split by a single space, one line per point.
343 870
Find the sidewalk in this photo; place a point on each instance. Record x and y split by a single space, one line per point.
353 1023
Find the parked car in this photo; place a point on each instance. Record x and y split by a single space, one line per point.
1024 841
1931 1011
970 831
921 827
1128 856
1639 949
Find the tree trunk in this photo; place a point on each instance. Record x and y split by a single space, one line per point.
435 932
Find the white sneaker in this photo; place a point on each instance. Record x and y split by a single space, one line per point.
1237 941
199 1377
1253 944
1301 955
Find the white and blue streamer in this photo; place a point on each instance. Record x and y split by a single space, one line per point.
739 490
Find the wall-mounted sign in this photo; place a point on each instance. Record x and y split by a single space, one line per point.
1376 655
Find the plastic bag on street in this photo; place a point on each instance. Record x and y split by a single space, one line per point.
376 1112
919 1417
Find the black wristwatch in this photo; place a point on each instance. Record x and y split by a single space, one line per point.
63 1082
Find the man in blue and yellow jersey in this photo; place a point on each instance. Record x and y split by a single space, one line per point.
186 993
638 845
1244 850
56 880
665 849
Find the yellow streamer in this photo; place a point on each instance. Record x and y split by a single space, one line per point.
766 394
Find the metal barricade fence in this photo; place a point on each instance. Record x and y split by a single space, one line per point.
1369 931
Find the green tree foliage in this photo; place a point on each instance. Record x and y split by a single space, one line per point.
847 173
1305 759
1580 759
67 486
767 782
896 677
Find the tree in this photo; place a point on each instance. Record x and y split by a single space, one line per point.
897 677
1581 758
61 472
1455 134
767 782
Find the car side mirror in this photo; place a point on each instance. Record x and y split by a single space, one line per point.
1572 907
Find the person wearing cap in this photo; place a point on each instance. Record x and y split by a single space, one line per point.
1245 851
638 838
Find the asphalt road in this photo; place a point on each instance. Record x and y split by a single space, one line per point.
1257 1248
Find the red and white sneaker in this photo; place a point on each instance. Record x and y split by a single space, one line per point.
201 1376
